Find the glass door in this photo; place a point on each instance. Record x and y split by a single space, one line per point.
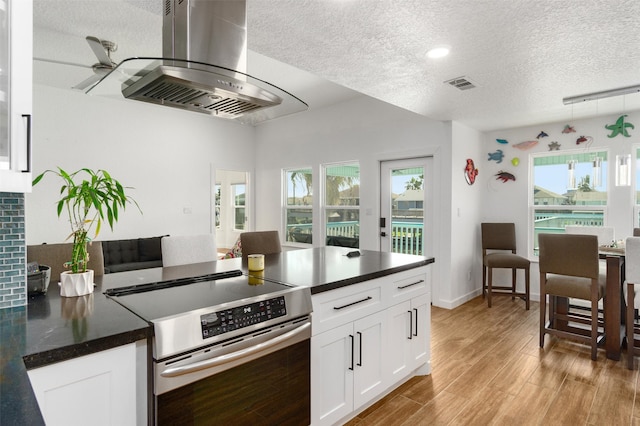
404 191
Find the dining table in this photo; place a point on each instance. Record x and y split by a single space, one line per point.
614 302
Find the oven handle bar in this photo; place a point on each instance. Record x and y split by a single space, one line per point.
223 359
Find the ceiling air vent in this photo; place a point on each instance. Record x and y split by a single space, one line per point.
462 83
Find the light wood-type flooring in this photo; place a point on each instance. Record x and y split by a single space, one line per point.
487 368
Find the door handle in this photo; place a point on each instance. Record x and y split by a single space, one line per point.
352 338
360 338
410 325
415 332
383 234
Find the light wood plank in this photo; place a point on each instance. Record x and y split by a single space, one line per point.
487 368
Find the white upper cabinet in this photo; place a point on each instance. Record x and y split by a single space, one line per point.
16 51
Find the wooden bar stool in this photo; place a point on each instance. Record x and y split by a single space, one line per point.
499 251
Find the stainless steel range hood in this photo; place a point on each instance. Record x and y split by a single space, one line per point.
203 68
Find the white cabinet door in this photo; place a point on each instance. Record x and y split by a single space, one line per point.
332 366
408 336
96 389
421 328
399 340
368 380
16 56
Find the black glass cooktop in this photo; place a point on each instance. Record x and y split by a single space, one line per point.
186 297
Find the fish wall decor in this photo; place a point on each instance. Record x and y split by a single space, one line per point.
542 134
496 156
568 129
502 141
554 146
584 139
505 176
619 128
515 161
525 145
470 172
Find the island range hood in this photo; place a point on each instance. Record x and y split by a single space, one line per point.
203 68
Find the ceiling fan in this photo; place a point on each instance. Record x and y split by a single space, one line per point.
102 49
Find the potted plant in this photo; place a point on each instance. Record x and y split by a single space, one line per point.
88 197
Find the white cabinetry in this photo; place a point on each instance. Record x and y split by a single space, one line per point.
366 339
104 388
408 336
16 55
347 367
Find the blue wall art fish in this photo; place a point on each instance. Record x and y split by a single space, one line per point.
620 127
542 134
496 156
502 141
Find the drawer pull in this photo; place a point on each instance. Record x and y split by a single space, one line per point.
360 338
352 356
337 308
402 287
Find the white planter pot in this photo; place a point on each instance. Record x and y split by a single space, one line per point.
79 284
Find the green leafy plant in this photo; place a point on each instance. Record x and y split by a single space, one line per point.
88 197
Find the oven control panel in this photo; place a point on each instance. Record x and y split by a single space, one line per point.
220 322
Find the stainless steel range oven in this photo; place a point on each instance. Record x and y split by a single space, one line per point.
227 351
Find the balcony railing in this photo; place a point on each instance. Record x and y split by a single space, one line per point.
407 236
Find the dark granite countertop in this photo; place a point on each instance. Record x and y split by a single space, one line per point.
52 328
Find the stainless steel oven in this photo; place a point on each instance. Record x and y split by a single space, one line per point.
227 351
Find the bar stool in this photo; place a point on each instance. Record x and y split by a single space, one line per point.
499 251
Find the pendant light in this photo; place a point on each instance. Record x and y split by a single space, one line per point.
571 165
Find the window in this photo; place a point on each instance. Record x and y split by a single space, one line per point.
239 198
342 205
298 205
568 189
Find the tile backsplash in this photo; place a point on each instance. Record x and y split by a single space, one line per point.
13 279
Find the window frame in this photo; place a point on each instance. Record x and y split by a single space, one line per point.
325 207
604 208
286 207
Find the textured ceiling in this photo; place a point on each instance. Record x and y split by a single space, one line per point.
524 55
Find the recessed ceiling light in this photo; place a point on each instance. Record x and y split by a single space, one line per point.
438 52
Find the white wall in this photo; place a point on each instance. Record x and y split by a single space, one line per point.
509 202
368 131
464 217
165 154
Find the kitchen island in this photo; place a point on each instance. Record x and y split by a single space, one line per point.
41 335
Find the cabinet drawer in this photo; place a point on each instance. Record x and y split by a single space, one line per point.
408 284
336 307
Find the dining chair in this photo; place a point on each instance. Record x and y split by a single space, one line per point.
187 249
632 273
605 234
569 268
260 242
499 252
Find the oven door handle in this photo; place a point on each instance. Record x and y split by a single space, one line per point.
223 359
